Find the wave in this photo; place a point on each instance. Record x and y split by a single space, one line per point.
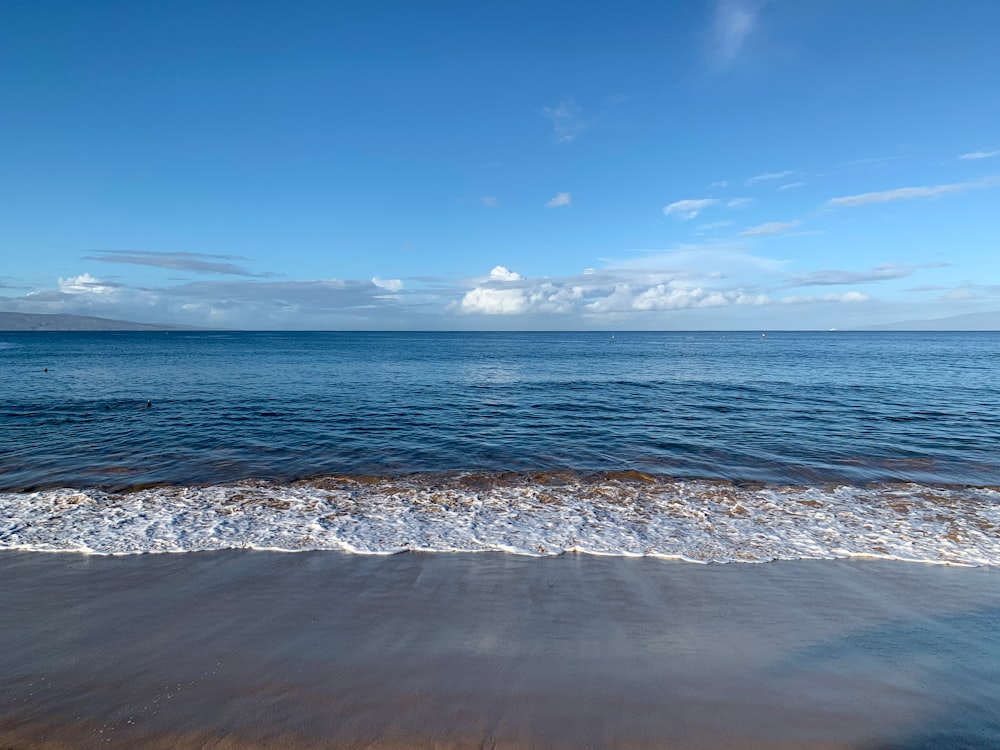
529 514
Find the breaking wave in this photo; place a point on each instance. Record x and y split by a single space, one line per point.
529 514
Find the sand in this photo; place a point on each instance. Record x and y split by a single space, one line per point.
309 650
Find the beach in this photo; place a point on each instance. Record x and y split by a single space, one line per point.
251 649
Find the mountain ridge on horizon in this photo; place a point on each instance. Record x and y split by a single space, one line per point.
61 322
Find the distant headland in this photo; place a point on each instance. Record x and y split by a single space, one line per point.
16 321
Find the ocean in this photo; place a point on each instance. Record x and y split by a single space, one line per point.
700 446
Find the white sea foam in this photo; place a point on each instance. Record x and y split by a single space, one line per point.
529 515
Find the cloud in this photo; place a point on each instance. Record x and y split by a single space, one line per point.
685 286
845 297
713 225
831 277
688 209
232 303
643 286
771 227
487 301
912 193
502 273
738 202
790 186
87 284
178 261
733 24
663 297
766 176
980 154
566 121
393 285
960 294
561 199
719 184
506 292
490 201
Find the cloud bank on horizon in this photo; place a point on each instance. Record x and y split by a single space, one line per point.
696 167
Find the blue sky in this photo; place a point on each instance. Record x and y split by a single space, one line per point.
691 165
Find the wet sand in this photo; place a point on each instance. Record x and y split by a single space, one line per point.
309 650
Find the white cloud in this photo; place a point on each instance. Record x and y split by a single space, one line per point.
393 285
847 297
734 21
662 297
980 154
490 201
497 296
619 300
86 284
719 184
566 121
771 227
768 176
488 301
751 299
912 193
738 202
502 273
561 199
790 186
688 209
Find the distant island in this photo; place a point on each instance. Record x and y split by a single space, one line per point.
15 321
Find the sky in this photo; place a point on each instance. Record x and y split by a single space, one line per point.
702 164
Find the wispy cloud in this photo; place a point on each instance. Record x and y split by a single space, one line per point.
567 124
790 186
713 225
688 209
965 290
766 176
853 296
177 261
560 200
912 193
734 21
490 201
980 154
738 202
834 277
771 227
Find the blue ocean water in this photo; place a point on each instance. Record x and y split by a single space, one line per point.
791 407
814 410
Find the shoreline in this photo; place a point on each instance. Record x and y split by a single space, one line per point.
531 515
249 649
